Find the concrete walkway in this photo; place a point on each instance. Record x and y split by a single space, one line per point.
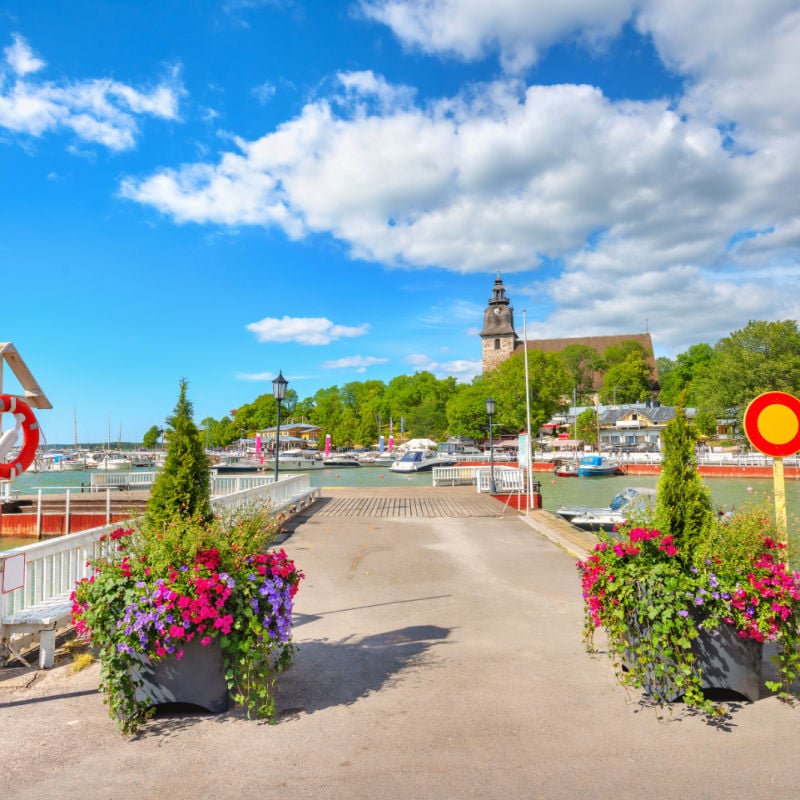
439 658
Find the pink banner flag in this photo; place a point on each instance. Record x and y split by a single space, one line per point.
391 443
258 443
327 445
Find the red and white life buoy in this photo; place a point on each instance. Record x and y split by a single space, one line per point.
30 430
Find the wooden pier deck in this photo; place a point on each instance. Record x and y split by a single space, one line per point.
419 501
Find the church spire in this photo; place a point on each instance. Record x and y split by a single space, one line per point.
499 337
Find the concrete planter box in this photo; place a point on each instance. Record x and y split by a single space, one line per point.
197 679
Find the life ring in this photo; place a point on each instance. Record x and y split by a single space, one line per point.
30 429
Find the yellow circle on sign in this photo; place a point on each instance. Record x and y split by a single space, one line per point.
778 424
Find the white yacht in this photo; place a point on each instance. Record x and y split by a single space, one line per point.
421 461
296 460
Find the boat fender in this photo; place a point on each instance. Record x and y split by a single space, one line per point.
30 431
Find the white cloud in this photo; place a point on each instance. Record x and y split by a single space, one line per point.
259 377
264 92
606 199
462 369
20 57
357 363
303 330
519 29
101 111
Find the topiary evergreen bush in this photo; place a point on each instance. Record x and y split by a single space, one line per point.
683 508
182 491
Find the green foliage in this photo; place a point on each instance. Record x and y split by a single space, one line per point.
549 383
718 382
581 363
624 351
626 381
683 507
154 590
466 410
182 489
150 439
734 542
586 424
653 601
678 378
761 357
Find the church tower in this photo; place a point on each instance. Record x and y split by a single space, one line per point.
498 335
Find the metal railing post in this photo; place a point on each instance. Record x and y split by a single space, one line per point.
39 514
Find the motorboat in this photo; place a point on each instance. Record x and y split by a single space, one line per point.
342 460
596 466
385 459
112 463
566 469
607 518
421 461
238 464
296 460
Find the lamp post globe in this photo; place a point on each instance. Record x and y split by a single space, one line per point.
490 409
279 385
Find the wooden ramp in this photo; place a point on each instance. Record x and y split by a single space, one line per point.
411 502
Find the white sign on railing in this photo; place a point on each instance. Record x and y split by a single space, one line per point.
14 573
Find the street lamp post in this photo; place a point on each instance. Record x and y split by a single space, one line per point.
279 392
490 408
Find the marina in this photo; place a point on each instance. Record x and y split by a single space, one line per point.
726 493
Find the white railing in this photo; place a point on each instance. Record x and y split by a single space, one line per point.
46 572
127 480
454 476
507 480
230 484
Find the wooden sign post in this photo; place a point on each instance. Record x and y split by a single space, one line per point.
772 424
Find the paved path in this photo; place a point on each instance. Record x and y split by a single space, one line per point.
439 658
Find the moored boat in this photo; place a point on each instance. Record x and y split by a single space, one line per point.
421 461
342 460
567 469
296 460
616 513
596 466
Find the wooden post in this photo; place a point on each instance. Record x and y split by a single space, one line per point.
780 503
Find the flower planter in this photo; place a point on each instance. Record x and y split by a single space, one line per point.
198 678
726 661
729 662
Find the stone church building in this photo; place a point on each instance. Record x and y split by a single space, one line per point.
500 340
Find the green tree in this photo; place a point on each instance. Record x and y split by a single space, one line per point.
761 357
421 399
150 439
683 504
586 424
549 384
466 410
182 490
678 379
581 363
619 353
626 381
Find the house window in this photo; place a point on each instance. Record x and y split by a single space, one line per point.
496 344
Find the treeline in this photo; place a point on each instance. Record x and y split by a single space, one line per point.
718 381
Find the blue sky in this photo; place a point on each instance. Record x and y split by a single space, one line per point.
222 190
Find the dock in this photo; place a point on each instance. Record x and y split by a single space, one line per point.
33 517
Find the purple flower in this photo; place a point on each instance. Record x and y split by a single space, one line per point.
683 613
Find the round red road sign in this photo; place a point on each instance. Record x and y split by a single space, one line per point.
772 424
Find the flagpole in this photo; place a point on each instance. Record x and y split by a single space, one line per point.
527 412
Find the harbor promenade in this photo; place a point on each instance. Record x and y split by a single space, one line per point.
440 657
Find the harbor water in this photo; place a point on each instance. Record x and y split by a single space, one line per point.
726 493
